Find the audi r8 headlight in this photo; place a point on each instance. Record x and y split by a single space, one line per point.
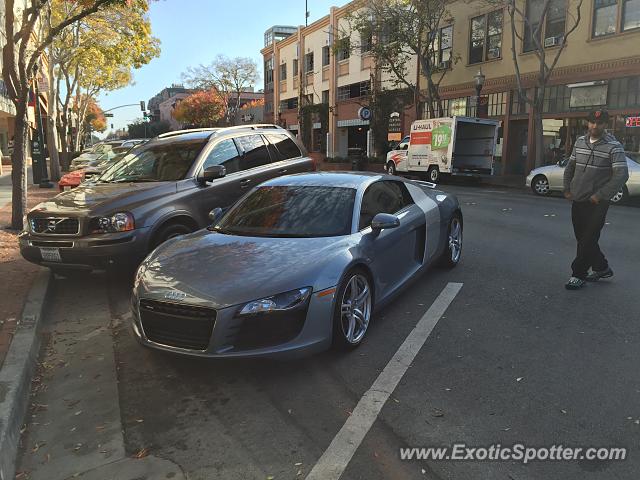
278 303
118 222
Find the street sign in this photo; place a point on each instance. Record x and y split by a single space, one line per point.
364 113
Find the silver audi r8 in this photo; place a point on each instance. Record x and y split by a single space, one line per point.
297 265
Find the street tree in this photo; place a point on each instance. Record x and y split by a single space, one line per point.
398 34
229 76
144 129
205 108
28 35
526 26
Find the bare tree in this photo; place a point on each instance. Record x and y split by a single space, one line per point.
527 25
229 76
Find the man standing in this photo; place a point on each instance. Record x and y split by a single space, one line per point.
596 171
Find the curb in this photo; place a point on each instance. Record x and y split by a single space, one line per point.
17 371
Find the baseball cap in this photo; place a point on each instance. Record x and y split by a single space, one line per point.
598 116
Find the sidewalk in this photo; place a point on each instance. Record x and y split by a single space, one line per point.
17 273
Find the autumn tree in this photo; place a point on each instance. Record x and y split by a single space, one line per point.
201 109
229 76
28 35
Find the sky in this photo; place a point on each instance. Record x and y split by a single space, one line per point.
192 32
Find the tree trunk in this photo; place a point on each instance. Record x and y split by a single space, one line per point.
538 130
18 164
52 131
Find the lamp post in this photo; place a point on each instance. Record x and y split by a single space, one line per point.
479 80
38 155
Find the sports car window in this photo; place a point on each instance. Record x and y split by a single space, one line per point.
386 196
255 151
155 163
286 147
224 153
292 211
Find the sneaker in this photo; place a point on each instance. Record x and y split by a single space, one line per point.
596 275
574 283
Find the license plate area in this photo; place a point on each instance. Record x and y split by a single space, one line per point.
50 254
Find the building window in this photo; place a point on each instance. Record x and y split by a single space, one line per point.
289 104
325 97
442 44
295 67
497 104
268 74
605 16
345 49
326 56
366 42
365 87
344 93
283 71
624 92
554 26
557 99
308 63
486 37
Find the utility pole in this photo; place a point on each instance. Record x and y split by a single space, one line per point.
306 13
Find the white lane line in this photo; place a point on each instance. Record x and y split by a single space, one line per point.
335 459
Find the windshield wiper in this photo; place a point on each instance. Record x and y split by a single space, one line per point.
133 180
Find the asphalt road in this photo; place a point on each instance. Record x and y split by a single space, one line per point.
515 359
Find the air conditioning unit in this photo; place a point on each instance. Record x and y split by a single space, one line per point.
494 53
445 64
551 42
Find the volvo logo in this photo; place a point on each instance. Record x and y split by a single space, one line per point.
175 295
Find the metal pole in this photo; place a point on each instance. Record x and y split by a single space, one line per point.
44 181
306 13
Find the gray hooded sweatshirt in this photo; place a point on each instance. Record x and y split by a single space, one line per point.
598 168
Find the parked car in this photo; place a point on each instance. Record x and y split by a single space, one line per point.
162 189
547 179
102 149
297 265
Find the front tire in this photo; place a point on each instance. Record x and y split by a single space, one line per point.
540 186
353 308
391 168
453 250
168 232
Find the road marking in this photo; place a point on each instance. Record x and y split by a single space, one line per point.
335 459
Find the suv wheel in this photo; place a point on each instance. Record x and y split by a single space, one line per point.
168 232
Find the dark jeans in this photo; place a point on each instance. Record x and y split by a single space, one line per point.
588 220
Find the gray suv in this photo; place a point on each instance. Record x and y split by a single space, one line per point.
160 190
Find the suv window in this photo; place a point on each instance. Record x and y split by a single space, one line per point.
255 151
224 153
387 196
286 147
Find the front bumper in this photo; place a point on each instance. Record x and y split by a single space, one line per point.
224 341
528 180
89 252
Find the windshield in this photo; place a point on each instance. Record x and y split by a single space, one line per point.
292 211
155 163
635 156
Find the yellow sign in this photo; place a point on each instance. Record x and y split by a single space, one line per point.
394 137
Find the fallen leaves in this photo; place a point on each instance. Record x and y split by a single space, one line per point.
143 452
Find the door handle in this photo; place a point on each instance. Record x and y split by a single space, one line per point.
245 183
283 170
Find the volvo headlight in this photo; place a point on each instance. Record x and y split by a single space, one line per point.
277 303
118 222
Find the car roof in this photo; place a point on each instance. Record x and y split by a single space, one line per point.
327 179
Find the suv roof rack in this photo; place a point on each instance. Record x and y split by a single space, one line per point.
189 130
255 126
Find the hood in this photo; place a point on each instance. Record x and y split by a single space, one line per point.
545 169
105 197
229 270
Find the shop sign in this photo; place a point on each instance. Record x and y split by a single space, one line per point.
632 122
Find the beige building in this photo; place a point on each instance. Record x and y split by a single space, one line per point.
599 68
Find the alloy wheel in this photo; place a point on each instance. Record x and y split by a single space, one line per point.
455 240
391 169
617 198
541 186
355 311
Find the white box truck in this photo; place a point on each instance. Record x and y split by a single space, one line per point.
451 145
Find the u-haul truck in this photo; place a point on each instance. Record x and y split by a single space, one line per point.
451 145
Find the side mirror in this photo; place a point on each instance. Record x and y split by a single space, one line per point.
405 147
215 215
211 173
383 221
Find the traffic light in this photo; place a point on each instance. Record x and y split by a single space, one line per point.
142 105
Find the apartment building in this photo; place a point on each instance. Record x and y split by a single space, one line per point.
599 68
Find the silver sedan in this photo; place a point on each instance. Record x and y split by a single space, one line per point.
297 265
547 179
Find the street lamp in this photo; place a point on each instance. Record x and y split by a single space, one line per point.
479 79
